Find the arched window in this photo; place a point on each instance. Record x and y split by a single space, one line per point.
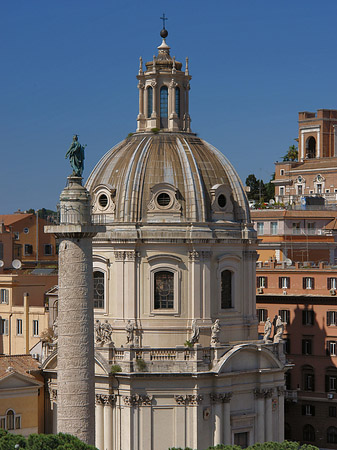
226 289
163 290
163 106
287 431
308 433
310 147
331 435
149 101
178 101
10 419
99 290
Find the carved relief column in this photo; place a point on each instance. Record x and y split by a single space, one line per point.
99 441
269 422
280 392
259 395
109 401
195 284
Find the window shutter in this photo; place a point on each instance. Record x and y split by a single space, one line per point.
303 410
288 282
266 282
312 283
304 283
312 410
303 347
328 318
6 327
280 282
326 383
328 283
313 382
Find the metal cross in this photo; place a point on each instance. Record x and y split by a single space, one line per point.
163 19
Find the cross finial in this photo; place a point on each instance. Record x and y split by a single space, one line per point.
163 19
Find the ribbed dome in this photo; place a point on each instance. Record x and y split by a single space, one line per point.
137 173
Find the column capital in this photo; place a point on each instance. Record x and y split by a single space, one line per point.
223 398
109 400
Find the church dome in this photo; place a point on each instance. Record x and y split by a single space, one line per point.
167 177
164 172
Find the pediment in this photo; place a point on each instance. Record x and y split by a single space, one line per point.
101 366
15 380
247 357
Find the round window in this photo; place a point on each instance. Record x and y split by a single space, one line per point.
163 199
222 201
103 200
26 230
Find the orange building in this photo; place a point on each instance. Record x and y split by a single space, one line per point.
22 237
296 235
305 299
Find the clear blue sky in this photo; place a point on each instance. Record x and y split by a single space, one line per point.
69 66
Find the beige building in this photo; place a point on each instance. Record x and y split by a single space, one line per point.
178 360
314 174
23 308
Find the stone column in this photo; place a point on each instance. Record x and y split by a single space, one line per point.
259 395
280 392
109 401
227 439
99 441
75 359
269 421
218 423
154 100
180 426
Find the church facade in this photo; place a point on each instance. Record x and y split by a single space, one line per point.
177 356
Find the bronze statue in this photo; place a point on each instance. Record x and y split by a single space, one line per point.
76 157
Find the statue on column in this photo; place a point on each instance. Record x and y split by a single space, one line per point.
76 157
215 328
267 330
195 332
279 330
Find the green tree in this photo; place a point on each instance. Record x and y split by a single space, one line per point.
292 154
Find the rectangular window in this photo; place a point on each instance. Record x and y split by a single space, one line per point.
307 317
331 283
260 228
284 282
4 327
3 423
309 382
308 283
28 249
261 282
35 327
17 422
48 249
311 227
226 289
4 296
331 348
16 235
285 315
287 346
318 188
332 411
331 318
332 383
273 228
281 190
296 228
262 315
299 189
163 290
281 172
19 327
308 410
306 347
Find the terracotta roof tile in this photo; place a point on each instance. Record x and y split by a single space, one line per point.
20 363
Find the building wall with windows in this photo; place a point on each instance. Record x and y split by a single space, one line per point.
22 317
296 235
314 174
305 298
21 395
23 238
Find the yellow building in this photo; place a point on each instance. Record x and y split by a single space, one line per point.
21 395
23 312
